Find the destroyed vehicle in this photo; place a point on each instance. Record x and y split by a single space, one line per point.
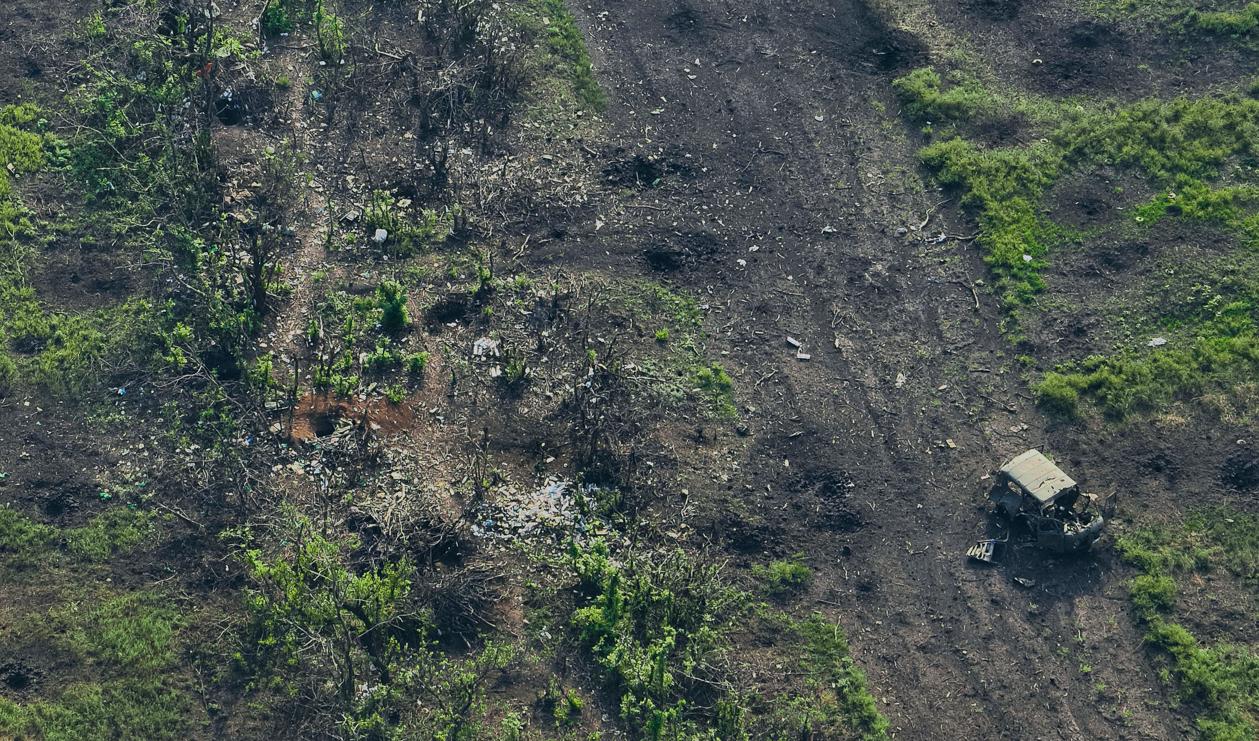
1032 490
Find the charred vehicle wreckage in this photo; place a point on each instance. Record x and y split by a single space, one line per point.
1032 492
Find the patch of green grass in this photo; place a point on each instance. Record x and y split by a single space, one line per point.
26 543
128 633
1187 17
566 50
926 97
1194 153
1182 145
784 576
127 645
1224 352
1231 23
23 542
1221 680
130 708
835 701
116 530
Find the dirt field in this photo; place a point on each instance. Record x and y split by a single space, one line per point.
754 158
794 170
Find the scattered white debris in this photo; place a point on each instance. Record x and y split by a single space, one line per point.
380 236
901 378
485 347
1157 342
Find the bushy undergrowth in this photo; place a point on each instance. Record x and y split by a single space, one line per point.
660 626
1222 680
358 644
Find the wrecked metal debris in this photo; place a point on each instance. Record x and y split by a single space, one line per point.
984 550
1032 490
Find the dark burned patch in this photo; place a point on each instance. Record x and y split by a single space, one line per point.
894 51
643 171
1093 35
1122 255
1002 132
685 21
681 252
1091 199
1161 464
239 105
1241 471
59 505
744 535
862 39
826 494
453 307
1086 55
994 10
19 679
59 501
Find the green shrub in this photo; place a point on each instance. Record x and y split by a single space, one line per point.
417 363
784 576
924 97
383 357
275 19
1057 393
329 33
650 624
391 298
1152 593
716 386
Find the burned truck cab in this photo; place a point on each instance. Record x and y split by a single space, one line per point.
1031 489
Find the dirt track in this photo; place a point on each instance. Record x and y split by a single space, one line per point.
782 131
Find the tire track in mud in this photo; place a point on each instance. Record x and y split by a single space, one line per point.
776 110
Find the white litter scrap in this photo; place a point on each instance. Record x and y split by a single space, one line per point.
1157 342
484 347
